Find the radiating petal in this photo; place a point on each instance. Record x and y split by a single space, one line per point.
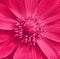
7 23
28 52
5 35
55 11
50 19
45 7
16 6
52 31
1 1
30 6
7 48
22 53
51 36
4 11
53 27
47 49
56 47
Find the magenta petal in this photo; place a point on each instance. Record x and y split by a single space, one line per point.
51 36
45 7
30 6
22 53
6 23
47 49
7 48
4 11
28 52
5 35
1 1
50 20
53 27
16 6
56 48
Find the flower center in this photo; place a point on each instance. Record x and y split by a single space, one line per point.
27 31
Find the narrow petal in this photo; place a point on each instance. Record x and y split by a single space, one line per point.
1 1
4 11
6 23
28 52
5 35
45 7
56 47
22 53
47 49
50 20
51 36
16 6
53 27
7 48
55 11
30 6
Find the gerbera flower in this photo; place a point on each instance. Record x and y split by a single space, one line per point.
30 29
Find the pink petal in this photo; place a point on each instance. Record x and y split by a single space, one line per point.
50 20
7 48
28 52
52 31
45 7
47 49
16 6
6 23
55 11
5 35
53 27
51 36
4 11
30 6
1 1
56 47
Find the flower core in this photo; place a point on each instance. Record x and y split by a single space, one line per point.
27 31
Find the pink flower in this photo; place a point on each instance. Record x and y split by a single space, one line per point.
30 29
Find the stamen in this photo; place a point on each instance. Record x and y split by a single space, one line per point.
27 31
16 35
29 40
16 31
34 40
26 39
